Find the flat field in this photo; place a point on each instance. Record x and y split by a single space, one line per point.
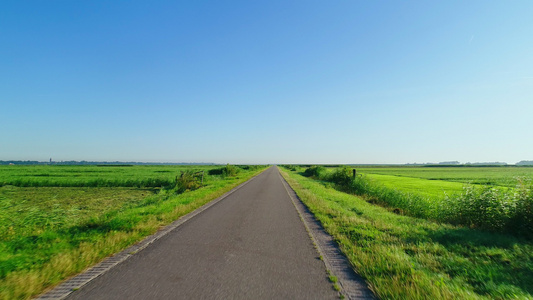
439 182
436 189
57 220
499 176
404 257
92 176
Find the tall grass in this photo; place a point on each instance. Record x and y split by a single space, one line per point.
188 181
484 207
495 209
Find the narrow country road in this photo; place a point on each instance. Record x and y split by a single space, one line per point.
250 245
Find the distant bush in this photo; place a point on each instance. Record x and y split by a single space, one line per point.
250 167
227 170
230 170
315 171
342 176
187 181
291 167
217 171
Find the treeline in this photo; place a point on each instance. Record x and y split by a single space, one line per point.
483 207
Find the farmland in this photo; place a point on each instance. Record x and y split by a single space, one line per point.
419 186
57 220
497 176
494 208
92 176
438 182
411 245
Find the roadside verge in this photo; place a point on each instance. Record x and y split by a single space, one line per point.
349 283
64 289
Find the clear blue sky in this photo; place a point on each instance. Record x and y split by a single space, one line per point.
267 81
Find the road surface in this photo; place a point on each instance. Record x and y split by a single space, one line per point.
251 244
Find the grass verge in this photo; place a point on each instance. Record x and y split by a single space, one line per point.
497 209
403 257
33 262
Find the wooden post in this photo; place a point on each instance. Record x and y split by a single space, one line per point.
354 172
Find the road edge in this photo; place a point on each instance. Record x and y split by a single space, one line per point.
64 289
351 285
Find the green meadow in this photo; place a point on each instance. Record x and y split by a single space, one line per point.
420 186
56 221
438 182
92 176
411 245
497 176
497 208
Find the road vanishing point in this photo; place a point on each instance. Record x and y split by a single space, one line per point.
252 244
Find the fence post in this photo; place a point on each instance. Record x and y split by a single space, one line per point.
354 172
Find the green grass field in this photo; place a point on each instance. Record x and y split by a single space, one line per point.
498 176
413 185
57 220
92 176
496 208
404 257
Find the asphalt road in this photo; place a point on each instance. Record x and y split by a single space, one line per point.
251 245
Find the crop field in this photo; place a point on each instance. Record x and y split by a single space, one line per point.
55 221
476 244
